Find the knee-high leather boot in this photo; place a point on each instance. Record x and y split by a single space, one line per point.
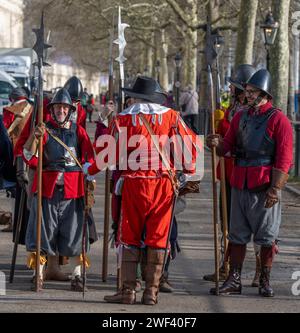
233 284
267 256
127 294
153 272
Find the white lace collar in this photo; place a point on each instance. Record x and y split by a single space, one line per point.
149 108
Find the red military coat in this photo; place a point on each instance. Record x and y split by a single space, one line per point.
147 193
280 130
73 181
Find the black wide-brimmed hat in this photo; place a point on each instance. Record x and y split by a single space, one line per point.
148 89
62 96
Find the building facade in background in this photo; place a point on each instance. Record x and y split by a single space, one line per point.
12 29
11 23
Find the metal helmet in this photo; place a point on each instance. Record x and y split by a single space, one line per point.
242 75
17 93
62 96
262 81
74 87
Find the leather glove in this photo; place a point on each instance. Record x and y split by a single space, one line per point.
278 181
39 130
213 140
271 197
21 172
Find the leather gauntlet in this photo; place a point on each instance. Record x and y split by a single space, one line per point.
215 140
278 181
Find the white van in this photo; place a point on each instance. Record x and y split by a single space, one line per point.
7 84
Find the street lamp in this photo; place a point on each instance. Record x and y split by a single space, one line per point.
178 62
157 69
269 29
218 43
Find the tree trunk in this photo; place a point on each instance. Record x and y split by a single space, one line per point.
164 77
203 101
291 104
279 64
192 59
246 32
150 57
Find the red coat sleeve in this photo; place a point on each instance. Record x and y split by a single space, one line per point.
8 118
86 146
81 116
281 131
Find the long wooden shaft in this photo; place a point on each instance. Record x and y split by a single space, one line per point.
107 201
224 211
39 182
214 183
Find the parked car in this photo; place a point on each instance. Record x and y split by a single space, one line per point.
7 84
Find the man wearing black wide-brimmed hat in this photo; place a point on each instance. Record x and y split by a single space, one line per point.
147 185
261 138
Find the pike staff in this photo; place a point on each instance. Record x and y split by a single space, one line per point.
121 59
211 54
222 179
107 172
39 47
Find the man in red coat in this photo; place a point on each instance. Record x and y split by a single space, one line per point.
238 102
145 185
62 186
14 118
261 138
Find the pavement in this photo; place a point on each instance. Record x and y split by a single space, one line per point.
191 292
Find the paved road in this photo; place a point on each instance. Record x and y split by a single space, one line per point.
196 259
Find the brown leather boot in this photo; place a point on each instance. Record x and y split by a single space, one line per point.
255 282
264 283
164 284
5 218
212 277
153 272
9 228
267 254
77 284
53 271
233 285
127 294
